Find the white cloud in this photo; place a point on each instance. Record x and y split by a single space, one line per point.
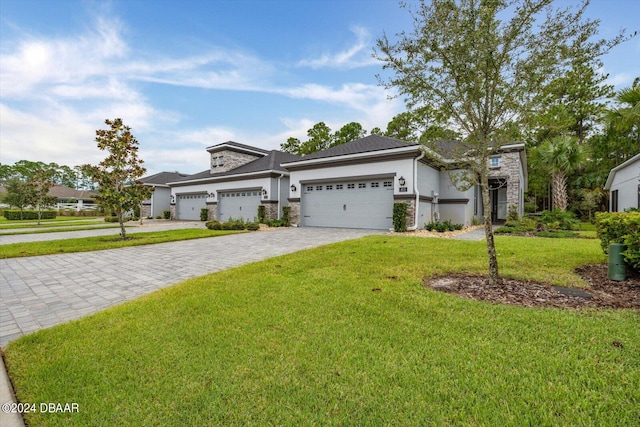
357 55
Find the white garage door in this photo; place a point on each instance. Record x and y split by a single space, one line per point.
238 204
188 206
349 204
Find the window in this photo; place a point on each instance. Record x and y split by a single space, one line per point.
614 201
375 184
309 188
319 187
217 161
351 186
387 184
495 162
362 185
339 186
329 187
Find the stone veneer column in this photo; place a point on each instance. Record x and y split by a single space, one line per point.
212 211
270 209
410 200
510 169
294 213
145 210
172 208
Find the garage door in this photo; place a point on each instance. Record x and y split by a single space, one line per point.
238 204
350 204
188 206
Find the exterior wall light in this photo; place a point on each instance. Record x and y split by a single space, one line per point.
293 187
402 181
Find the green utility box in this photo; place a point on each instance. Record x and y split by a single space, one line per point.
617 267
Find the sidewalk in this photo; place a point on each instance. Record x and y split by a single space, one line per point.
132 227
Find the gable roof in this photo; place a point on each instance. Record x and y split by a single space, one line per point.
269 163
162 178
612 173
363 145
63 192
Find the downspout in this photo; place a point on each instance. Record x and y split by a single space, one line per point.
279 195
415 190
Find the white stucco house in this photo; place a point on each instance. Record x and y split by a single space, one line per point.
356 184
159 201
623 185
240 179
351 185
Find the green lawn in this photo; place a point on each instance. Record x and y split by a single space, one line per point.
344 334
58 221
87 244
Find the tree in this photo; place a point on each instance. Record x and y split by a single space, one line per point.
626 118
349 132
321 138
561 156
38 187
117 175
481 64
18 194
573 102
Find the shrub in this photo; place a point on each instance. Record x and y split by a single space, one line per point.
512 214
262 213
204 214
399 217
442 226
253 226
13 215
559 220
620 227
214 225
111 219
274 222
286 216
167 214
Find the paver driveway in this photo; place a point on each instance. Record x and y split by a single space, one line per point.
39 292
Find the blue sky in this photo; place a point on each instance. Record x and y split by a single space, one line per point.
189 74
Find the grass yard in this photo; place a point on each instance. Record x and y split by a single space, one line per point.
87 244
57 229
344 334
58 221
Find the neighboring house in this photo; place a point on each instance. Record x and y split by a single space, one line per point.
356 184
240 179
70 198
623 184
160 199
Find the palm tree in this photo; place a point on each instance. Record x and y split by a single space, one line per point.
626 118
560 155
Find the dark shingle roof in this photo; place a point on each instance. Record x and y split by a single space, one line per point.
162 178
62 192
269 162
237 145
362 145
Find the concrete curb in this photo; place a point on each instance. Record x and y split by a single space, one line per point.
7 396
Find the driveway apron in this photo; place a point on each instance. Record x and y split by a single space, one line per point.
44 291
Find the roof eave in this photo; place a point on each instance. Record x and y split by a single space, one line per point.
345 157
233 177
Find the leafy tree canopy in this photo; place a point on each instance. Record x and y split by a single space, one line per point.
481 65
117 175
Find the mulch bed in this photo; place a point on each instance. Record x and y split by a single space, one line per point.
600 292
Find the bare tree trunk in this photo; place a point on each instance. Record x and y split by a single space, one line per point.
123 232
488 229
